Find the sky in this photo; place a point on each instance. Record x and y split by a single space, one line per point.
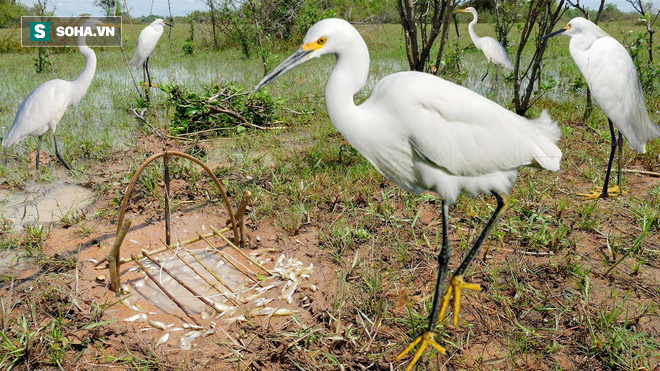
66 8
623 5
182 7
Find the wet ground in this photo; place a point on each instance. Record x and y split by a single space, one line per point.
44 202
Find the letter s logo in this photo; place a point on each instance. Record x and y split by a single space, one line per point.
39 32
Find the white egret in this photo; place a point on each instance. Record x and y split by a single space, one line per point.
146 44
424 133
493 50
612 78
43 108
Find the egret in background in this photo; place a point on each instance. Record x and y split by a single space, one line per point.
493 50
43 108
615 86
146 44
424 133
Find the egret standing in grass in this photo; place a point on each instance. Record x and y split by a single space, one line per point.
43 108
424 133
615 86
493 50
146 44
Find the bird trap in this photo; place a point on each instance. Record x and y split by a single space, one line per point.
207 277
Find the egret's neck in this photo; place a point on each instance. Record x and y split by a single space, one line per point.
348 77
582 42
476 40
85 79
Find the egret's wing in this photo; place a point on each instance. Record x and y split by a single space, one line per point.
495 52
47 102
462 132
146 44
615 86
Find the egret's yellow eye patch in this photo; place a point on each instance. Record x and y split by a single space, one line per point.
568 27
315 45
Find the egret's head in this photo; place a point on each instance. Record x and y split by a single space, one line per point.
92 22
161 23
467 10
580 27
328 36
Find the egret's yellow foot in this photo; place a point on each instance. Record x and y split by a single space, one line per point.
423 340
153 85
597 193
455 286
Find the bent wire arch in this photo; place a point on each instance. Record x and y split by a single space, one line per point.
166 155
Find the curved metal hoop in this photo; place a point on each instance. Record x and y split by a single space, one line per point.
166 155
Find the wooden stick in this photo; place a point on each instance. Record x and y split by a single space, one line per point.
180 282
154 280
239 216
209 270
159 250
113 257
168 212
231 262
202 277
241 220
219 234
643 172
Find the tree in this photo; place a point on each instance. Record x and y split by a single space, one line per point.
423 21
540 19
649 19
11 12
506 13
110 7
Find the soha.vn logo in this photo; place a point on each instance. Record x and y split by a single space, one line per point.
39 31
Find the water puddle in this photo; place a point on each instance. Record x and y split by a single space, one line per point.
230 276
43 202
227 289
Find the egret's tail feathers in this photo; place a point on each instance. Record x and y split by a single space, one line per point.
508 65
548 155
135 61
10 139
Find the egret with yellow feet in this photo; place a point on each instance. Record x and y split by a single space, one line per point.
426 134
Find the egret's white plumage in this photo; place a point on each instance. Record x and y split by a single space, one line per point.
424 133
147 41
493 50
43 108
612 78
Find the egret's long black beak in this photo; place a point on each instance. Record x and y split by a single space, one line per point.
554 33
299 57
168 24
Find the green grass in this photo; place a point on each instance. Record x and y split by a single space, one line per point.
549 305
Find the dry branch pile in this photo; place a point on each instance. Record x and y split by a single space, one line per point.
222 109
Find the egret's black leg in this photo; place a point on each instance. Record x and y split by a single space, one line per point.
146 66
487 70
457 283
443 265
38 150
618 173
604 192
146 80
57 153
427 338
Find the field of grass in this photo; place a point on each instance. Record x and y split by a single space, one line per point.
551 302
